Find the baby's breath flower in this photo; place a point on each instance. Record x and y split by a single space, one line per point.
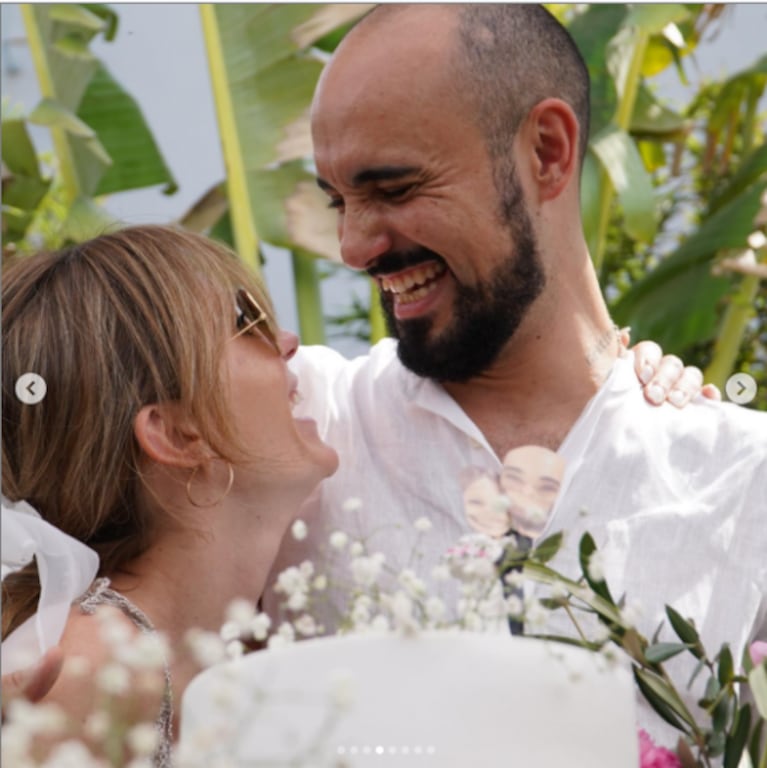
307 569
514 606
435 608
596 566
229 631
357 548
79 666
113 679
298 601
380 624
514 579
423 525
632 613
235 649
72 754
143 739
299 530
39 719
259 625
286 632
240 611
414 586
97 725
352 504
440 572
366 570
338 540
320 583
536 615
207 647
305 625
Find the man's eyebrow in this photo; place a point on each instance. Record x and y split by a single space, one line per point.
381 173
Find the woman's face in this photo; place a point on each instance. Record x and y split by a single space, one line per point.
287 452
483 507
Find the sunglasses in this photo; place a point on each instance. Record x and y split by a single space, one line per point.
251 317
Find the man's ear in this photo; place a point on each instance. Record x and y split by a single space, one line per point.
553 131
167 438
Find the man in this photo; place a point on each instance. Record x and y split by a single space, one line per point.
450 140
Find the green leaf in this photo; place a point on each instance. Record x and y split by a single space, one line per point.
726 668
117 120
685 631
660 652
663 699
77 15
592 31
606 610
752 170
713 689
292 212
19 155
737 737
87 220
586 550
755 742
621 160
653 17
548 548
52 114
651 118
652 307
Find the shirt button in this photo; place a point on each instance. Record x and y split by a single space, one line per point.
475 444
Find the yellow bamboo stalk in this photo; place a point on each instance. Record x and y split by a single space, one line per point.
243 225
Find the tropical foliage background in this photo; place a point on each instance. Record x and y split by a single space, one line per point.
674 202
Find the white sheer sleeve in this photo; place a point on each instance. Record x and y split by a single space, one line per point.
66 568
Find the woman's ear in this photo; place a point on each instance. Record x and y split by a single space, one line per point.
167 438
553 131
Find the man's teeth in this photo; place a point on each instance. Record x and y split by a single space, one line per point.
411 286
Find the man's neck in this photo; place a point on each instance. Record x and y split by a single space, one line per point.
535 391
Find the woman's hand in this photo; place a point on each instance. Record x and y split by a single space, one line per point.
665 377
33 683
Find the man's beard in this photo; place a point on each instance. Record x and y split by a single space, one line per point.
485 316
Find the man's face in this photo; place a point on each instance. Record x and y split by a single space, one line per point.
410 176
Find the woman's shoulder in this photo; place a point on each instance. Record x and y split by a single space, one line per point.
100 674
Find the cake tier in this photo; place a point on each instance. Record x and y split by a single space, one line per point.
443 699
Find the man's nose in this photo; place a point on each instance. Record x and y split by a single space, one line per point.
363 236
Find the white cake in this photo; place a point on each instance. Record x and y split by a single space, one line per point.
447 699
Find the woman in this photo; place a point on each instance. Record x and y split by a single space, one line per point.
165 441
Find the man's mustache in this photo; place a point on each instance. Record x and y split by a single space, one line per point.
396 261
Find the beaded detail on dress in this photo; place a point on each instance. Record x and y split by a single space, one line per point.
100 593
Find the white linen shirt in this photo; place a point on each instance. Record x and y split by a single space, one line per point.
675 499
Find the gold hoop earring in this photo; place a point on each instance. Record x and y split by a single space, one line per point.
216 501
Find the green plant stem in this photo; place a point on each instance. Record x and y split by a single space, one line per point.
623 121
70 182
739 312
308 301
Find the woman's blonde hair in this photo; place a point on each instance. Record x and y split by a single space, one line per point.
124 320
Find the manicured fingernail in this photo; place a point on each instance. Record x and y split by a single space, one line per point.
646 373
656 393
677 397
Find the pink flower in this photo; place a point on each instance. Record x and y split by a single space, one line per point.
758 652
651 756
